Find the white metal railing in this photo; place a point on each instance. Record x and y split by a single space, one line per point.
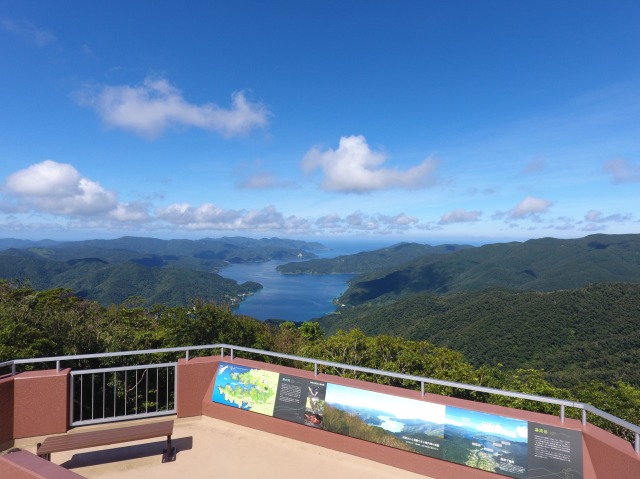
122 393
562 403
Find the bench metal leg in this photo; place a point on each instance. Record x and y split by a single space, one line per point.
43 456
169 454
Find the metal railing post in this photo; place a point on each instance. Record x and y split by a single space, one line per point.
175 388
71 401
562 413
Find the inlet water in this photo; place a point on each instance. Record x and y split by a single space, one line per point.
292 297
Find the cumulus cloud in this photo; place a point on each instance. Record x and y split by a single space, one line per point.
28 31
528 207
460 215
594 216
208 216
151 108
137 212
401 220
622 170
58 188
359 222
355 168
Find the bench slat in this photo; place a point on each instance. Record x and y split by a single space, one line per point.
105 437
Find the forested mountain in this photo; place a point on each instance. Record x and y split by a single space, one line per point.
368 261
205 254
575 335
95 279
7 243
546 264
171 272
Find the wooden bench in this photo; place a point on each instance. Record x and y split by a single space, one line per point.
106 437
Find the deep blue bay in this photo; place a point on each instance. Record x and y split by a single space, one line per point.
294 297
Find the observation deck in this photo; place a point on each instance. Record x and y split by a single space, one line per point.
239 413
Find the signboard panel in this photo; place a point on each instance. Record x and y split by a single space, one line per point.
407 424
503 445
554 452
486 441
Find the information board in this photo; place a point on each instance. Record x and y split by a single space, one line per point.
507 446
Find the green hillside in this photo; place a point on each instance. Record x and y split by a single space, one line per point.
589 333
171 272
368 261
537 265
95 279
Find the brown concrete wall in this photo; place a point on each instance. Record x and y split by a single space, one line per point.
40 400
194 378
25 465
13 471
598 465
612 457
6 412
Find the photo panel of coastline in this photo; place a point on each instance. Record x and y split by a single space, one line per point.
486 441
403 423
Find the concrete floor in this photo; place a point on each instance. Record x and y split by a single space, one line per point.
210 448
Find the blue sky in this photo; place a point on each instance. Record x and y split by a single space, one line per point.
459 121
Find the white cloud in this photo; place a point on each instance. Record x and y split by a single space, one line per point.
595 216
355 168
208 216
28 32
58 188
622 170
528 207
460 215
401 220
130 212
149 109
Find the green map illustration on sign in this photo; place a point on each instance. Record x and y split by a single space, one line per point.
246 388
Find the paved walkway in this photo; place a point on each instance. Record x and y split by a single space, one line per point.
210 448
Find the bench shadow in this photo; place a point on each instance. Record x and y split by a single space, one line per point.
123 453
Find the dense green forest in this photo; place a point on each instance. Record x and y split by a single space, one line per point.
368 261
577 335
57 322
546 264
169 272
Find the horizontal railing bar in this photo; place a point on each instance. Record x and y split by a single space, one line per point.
440 382
612 418
409 377
130 417
122 368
